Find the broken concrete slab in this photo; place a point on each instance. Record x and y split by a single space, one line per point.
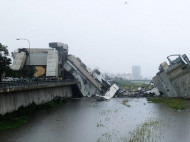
173 80
90 83
109 93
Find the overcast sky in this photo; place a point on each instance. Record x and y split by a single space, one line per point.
108 34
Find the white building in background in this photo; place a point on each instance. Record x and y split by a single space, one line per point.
136 72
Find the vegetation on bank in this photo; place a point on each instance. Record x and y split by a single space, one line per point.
149 131
124 102
128 85
176 103
21 116
5 61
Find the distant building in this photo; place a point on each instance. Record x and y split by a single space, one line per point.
136 72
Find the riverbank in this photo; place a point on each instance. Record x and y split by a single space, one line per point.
175 103
21 116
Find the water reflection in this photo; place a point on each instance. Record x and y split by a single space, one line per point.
86 120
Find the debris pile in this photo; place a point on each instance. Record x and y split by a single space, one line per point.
140 92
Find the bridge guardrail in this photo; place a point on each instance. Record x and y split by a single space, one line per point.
19 84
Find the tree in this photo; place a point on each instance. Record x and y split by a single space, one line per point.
27 71
5 61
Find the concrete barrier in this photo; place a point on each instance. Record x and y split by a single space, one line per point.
11 101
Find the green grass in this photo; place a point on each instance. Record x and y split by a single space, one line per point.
20 117
176 103
130 85
124 102
149 131
14 123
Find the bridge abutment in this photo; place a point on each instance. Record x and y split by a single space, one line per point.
11 101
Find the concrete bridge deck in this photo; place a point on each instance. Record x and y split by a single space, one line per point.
21 86
16 94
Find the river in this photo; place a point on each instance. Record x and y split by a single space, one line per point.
87 120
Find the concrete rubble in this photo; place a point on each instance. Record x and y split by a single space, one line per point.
150 93
173 79
109 93
90 83
154 91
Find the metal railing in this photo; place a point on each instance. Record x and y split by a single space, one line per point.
20 84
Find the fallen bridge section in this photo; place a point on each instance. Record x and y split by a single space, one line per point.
88 85
91 83
109 93
173 80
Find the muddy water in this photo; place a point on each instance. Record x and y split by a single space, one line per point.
86 120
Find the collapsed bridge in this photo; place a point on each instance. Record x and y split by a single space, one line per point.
173 79
55 62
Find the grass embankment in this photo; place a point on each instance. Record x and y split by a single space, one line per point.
149 131
125 84
176 103
20 117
